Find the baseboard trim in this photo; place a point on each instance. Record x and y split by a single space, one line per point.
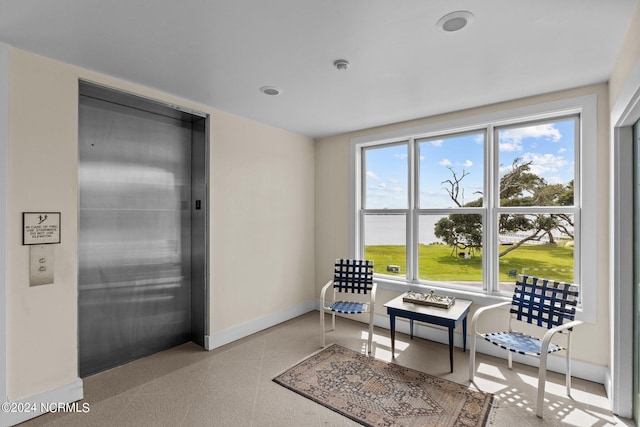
608 384
227 336
37 405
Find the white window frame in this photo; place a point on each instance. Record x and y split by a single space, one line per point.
585 227
424 210
574 210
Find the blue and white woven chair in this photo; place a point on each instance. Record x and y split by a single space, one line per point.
544 303
349 276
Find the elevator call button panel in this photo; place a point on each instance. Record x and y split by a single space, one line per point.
41 265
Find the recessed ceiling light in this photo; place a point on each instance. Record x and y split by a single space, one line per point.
270 90
455 21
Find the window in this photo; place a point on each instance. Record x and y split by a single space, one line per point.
386 207
450 180
469 205
536 202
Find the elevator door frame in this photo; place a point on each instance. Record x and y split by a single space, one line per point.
200 290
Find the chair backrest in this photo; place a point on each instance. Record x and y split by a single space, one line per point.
544 302
353 275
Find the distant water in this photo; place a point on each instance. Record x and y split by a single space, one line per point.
391 229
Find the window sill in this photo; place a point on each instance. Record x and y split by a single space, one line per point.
477 298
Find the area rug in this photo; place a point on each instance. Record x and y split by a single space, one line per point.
376 393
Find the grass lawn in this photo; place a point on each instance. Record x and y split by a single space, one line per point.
438 263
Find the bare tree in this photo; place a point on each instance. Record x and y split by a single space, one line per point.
453 188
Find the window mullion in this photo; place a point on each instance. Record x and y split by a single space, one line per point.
412 228
360 225
491 219
357 249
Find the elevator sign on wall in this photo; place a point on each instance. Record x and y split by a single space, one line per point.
40 228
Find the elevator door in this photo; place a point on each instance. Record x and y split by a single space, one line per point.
135 233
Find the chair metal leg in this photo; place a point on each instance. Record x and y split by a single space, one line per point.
333 320
370 331
322 325
542 380
510 358
568 375
568 372
472 356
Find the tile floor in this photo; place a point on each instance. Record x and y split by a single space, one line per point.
231 386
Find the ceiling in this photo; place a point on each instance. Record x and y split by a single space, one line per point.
220 52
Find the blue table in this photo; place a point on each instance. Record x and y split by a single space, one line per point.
449 318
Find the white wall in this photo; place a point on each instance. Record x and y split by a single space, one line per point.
262 216
332 214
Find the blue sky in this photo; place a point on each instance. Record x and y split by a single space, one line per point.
549 145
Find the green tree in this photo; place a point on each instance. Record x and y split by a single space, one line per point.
460 231
518 187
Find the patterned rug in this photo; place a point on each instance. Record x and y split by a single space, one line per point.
376 393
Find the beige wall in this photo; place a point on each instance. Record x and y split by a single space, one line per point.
262 217
262 257
332 213
42 175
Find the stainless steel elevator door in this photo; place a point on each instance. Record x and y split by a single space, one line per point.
134 237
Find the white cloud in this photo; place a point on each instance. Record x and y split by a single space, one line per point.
382 196
505 170
373 176
401 155
554 180
393 180
511 139
445 162
508 146
383 188
543 164
436 143
562 150
468 164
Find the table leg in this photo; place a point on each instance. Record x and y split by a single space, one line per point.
392 324
451 347
411 327
464 334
